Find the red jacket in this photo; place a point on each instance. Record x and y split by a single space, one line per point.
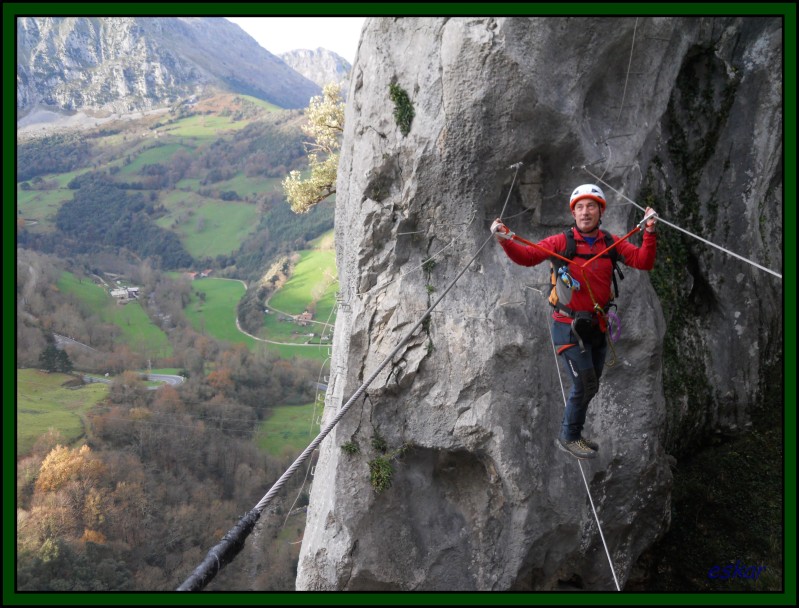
598 274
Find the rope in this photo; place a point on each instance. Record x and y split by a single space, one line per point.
629 63
432 257
699 238
452 242
232 543
582 472
599 527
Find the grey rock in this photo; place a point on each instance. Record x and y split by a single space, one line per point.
320 66
480 498
126 64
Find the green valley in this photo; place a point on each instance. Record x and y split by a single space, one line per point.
136 246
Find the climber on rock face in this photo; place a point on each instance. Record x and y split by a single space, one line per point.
581 296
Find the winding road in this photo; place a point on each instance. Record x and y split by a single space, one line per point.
170 379
248 334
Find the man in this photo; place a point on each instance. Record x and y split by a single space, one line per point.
581 297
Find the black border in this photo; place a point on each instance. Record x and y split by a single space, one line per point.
13 9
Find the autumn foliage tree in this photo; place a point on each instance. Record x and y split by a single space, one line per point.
325 125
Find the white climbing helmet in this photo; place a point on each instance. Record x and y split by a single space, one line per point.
588 191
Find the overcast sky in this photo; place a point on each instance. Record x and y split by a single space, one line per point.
281 34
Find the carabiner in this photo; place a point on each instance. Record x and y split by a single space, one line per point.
648 217
568 280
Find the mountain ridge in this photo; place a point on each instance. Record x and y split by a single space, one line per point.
130 64
320 66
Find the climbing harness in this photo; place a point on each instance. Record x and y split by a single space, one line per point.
580 321
571 252
564 284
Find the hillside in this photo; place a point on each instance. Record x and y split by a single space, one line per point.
118 65
196 186
147 201
320 66
48 402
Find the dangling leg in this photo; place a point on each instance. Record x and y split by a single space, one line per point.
599 349
579 366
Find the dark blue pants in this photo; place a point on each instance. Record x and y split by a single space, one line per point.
584 369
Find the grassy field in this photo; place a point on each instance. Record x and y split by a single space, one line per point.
202 127
136 328
280 329
250 186
153 155
289 429
216 317
313 282
138 331
208 227
215 313
313 352
44 404
42 205
85 290
314 279
260 103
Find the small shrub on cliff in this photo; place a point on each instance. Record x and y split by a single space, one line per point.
380 473
350 448
403 109
378 443
381 469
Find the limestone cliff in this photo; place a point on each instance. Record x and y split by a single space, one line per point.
320 66
680 113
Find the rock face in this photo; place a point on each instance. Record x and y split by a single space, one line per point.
125 64
320 66
467 412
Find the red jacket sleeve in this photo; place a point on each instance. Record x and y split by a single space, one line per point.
525 255
642 257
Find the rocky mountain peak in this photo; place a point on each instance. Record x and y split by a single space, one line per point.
320 66
126 64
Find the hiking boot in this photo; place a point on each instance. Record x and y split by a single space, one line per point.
577 448
593 445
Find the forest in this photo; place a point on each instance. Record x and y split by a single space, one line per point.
102 215
164 475
116 200
159 475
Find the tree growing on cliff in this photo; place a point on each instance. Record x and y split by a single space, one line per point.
325 125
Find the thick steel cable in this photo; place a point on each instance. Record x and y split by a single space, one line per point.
691 234
232 543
